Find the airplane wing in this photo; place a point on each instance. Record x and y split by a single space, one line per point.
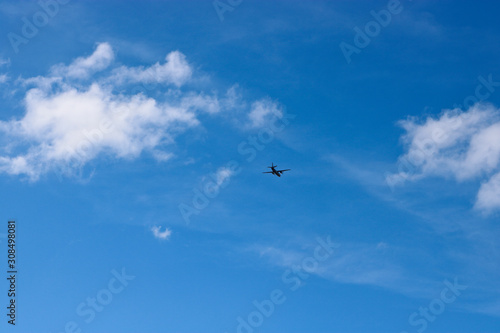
283 170
268 172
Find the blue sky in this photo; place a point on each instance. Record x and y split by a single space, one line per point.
134 135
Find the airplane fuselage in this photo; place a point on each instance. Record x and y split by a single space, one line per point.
274 171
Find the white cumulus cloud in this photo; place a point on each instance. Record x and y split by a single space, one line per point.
72 127
163 235
72 116
463 145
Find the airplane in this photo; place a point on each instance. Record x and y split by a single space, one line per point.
276 172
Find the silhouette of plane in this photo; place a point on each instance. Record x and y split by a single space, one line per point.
276 172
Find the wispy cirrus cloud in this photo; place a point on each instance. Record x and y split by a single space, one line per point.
4 77
351 263
4 62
